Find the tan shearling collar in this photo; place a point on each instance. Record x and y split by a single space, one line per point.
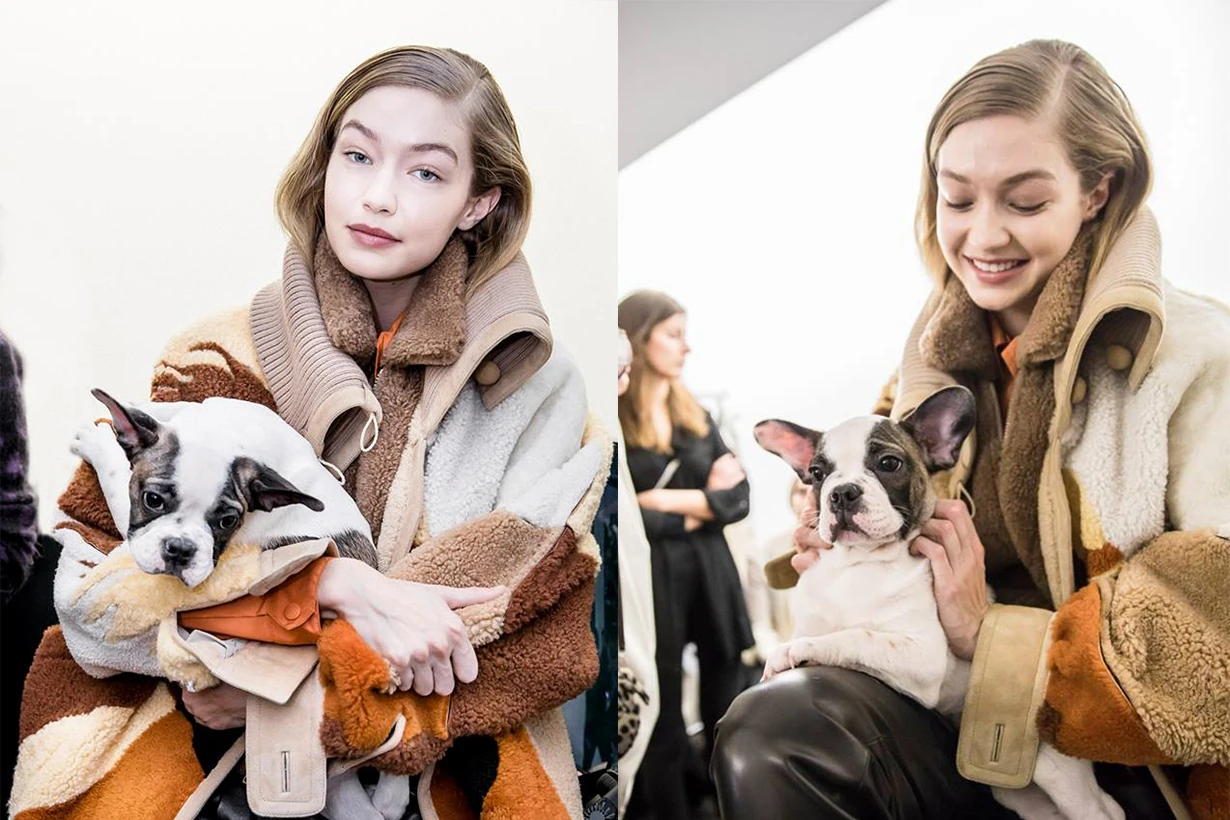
433 330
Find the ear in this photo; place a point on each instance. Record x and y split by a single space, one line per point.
1098 197
940 425
796 445
478 208
134 430
263 489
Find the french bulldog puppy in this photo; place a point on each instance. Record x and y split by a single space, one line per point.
868 604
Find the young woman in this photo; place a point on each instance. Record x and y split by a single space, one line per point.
688 486
406 342
1098 474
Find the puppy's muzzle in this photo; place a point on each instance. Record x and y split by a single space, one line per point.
845 498
177 553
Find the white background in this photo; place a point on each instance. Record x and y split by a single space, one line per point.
783 220
140 144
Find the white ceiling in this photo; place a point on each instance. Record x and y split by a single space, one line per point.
680 59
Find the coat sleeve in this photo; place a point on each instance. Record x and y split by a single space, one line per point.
1134 668
534 644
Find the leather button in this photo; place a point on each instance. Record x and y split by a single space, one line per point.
292 611
1079 388
1118 357
487 374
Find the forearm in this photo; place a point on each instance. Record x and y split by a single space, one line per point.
683 502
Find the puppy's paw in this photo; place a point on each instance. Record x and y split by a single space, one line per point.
778 662
392 795
95 444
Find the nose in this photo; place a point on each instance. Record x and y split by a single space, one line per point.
844 496
379 196
177 551
986 231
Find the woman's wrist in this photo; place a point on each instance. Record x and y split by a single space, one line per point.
338 583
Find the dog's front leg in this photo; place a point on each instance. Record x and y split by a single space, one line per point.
96 445
903 662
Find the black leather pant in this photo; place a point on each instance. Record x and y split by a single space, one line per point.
822 742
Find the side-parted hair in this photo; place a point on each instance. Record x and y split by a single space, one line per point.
496 148
1061 82
639 313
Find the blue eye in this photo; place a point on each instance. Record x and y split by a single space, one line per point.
425 175
361 157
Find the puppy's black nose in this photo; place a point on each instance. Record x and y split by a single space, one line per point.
844 496
178 550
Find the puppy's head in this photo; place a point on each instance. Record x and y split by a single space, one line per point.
870 474
189 498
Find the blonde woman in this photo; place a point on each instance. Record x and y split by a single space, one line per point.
1098 474
405 340
689 486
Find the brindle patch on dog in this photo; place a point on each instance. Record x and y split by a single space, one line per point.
154 472
908 484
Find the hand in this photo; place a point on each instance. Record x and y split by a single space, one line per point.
725 473
691 523
219 707
411 625
958 562
652 500
807 540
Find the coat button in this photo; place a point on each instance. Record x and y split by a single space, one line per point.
292 611
1079 388
1118 357
487 374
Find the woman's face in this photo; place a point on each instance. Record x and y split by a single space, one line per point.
398 183
668 346
1009 206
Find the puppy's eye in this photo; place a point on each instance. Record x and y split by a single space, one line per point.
228 522
889 464
153 502
817 474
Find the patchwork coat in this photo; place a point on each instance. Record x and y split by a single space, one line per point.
1104 505
472 455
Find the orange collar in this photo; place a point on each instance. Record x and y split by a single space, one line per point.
1005 345
386 336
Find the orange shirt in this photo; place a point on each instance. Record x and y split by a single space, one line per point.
1005 346
287 614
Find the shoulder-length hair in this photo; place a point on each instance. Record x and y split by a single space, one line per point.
454 77
1092 116
639 313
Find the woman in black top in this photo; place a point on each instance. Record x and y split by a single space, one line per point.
689 486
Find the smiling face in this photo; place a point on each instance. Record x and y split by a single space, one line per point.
1010 205
667 346
398 183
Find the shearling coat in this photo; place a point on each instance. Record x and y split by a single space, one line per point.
1110 488
465 483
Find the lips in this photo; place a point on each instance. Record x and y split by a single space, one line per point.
995 271
371 236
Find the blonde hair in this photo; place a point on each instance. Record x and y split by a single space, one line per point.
457 78
1093 118
639 313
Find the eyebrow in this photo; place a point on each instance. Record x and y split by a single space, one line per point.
418 148
1015 179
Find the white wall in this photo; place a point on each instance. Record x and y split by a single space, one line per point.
140 146
782 220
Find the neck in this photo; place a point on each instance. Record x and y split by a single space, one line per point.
657 389
862 553
390 299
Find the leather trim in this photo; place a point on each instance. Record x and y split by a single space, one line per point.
998 744
285 758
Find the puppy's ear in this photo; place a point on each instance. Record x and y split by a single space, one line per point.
134 430
263 489
940 425
796 445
